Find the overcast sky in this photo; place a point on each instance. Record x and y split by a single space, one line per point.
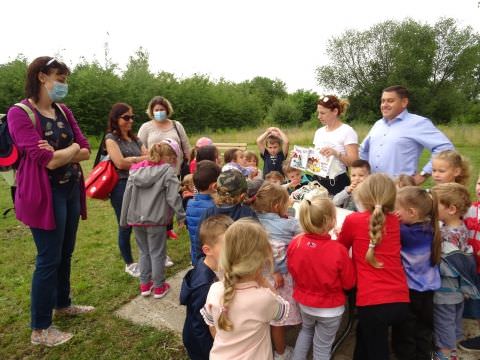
233 39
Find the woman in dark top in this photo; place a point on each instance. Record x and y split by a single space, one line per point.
124 149
51 194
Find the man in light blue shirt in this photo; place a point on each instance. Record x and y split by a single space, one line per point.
395 142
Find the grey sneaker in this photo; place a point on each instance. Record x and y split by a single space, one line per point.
74 310
49 337
133 269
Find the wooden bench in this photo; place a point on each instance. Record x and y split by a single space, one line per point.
222 147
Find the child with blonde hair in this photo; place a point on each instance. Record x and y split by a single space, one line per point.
271 204
417 210
373 233
240 308
322 271
457 270
450 166
151 197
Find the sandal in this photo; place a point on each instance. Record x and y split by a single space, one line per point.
74 310
49 337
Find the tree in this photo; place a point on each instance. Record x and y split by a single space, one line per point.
439 64
12 82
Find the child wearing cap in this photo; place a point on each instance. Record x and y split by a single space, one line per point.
203 141
151 197
231 191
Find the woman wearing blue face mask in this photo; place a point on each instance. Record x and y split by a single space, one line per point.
161 127
50 195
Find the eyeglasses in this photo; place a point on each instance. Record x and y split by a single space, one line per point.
128 117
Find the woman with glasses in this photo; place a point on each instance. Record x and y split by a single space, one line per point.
124 149
50 195
161 127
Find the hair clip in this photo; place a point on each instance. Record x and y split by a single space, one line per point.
378 206
371 245
325 99
308 201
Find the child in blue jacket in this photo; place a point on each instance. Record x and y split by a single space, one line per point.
205 181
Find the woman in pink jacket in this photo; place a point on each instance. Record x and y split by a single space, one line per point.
50 193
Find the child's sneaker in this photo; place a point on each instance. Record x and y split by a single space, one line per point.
50 337
172 235
287 354
160 292
168 261
146 289
133 269
74 310
470 345
438 355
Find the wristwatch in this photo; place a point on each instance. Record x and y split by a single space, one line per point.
424 174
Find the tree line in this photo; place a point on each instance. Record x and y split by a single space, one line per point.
440 64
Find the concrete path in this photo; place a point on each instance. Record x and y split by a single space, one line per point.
168 313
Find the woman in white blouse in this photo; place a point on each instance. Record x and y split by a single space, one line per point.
335 139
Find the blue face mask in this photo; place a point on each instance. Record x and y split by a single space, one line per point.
58 91
160 115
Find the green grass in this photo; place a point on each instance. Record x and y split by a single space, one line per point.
98 278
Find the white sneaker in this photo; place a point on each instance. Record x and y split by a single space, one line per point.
168 262
287 354
133 269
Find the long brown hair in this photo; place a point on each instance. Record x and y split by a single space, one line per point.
118 110
33 85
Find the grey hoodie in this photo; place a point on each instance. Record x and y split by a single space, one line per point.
151 197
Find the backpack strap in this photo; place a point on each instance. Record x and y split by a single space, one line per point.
29 112
59 107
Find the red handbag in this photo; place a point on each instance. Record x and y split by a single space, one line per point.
101 180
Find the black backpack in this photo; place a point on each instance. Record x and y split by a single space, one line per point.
9 156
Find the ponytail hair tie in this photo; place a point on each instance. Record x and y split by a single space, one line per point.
378 206
371 245
308 201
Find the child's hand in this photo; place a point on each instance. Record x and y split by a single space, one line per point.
278 278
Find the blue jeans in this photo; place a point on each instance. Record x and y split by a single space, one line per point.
51 278
116 199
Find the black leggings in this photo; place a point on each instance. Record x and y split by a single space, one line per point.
372 329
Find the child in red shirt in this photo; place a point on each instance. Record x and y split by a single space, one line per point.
373 233
321 270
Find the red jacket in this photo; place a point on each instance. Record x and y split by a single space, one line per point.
376 286
321 270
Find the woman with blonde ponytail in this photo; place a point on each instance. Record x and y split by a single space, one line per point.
240 307
373 233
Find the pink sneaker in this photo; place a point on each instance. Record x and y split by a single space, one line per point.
160 292
146 289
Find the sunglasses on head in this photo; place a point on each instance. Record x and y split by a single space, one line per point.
128 117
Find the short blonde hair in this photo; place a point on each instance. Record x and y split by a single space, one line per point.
317 216
377 195
159 151
453 194
246 252
212 227
161 101
270 195
404 180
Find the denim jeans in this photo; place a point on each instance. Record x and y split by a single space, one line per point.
51 278
116 199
